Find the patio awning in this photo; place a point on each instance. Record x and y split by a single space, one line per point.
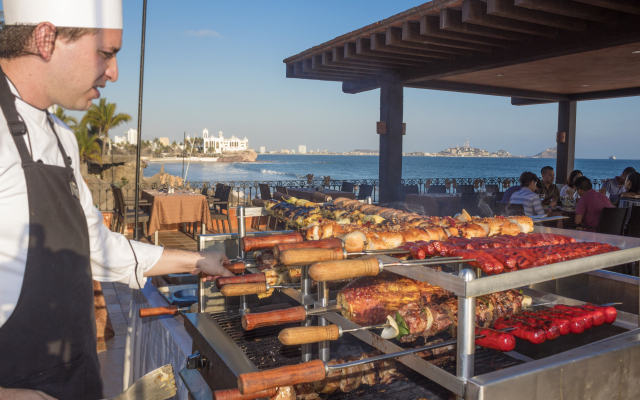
531 50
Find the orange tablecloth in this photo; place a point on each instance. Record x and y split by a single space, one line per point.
176 208
438 205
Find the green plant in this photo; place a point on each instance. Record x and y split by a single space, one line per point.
87 146
124 182
103 116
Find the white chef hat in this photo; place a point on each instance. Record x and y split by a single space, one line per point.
101 14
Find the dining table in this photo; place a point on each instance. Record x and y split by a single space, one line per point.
182 206
438 204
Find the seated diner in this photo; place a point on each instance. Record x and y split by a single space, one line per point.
547 186
614 187
590 204
569 189
528 198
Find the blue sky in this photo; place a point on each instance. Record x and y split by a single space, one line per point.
218 64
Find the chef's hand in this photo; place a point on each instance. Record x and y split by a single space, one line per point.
211 264
23 394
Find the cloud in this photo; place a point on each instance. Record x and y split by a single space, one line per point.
204 32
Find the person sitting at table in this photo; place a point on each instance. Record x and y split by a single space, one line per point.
590 204
528 198
614 187
632 186
509 192
569 189
547 187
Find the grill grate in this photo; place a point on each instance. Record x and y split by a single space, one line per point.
265 350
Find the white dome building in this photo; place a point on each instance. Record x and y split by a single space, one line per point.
222 145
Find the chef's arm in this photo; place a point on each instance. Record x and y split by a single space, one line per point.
174 261
23 394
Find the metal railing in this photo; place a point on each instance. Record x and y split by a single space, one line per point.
243 191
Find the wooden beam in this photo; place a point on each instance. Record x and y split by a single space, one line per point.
378 43
314 65
488 90
327 61
429 27
390 160
627 6
475 12
393 37
573 9
295 71
599 95
451 20
567 149
350 52
599 37
363 48
507 9
361 85
338 57
519 101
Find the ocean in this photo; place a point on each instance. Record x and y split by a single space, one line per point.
290 167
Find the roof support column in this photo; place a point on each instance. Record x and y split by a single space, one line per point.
390 172
566 139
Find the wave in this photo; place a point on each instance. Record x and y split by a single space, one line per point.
271 172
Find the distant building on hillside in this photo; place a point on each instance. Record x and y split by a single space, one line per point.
262 150
164 141
132 136
284 151
222 145
302 149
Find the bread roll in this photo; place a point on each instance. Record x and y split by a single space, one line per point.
524 223
354 241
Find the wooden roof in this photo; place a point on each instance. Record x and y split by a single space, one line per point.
531 50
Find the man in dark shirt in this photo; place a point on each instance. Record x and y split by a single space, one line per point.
590 204
547 187
507 195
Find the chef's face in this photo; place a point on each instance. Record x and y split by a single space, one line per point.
82 67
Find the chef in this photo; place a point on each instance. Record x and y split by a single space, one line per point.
52 241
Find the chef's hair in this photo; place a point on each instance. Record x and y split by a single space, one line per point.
19 40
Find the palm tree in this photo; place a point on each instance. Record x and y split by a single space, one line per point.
67 119
103 117
87 145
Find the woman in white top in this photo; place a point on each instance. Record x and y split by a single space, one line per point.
569 189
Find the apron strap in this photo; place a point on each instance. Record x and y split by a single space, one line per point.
17 127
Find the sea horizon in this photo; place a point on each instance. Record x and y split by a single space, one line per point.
271 167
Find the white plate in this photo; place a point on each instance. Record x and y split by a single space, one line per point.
539 216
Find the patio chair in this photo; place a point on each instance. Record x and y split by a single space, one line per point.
633 227
223 205
611 221
347 187
282 189
492 188
124 215
469 202
265 192
364 191
465 189
501 209
436 189
512 210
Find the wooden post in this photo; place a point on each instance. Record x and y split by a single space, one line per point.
390 169
567 141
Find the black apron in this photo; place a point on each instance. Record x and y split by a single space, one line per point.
49 341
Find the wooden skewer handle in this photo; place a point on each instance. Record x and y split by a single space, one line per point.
232 280
345 269
234 394
289 375
243 289
308 334
251 243
308 256
271 318
152 312
236 268
310 244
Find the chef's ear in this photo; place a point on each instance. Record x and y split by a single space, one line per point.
45 36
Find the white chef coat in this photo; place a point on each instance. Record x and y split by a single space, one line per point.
112 258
